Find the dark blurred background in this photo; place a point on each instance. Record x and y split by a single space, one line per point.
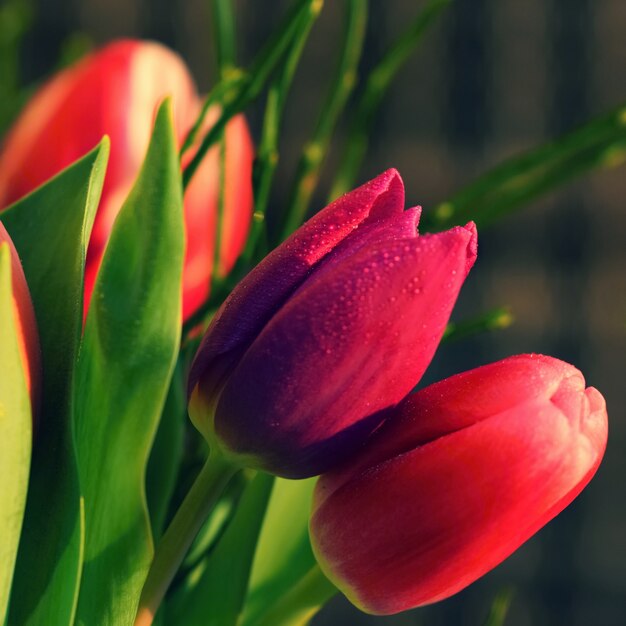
491 79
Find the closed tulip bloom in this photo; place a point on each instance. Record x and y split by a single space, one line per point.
116 91
27 336
333 327
458 477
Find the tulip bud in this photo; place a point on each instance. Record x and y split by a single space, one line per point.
27 336
333 327
458 477
116 91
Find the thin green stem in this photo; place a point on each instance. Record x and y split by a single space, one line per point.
218 95
301 603
177 539
224 35
219 226
216 525
599 143
376 86
495 319
265 164
267 157
500 607
310 164
253 82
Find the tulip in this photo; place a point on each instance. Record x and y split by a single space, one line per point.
116 91
333 327
458 477
27 336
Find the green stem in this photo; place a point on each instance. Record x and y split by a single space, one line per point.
301 603
219 226
599 143
491 320
310 165
267 157
500 607
224 34
219 94
177 539
265 164
251 85
376 86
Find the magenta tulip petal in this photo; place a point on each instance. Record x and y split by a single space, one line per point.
351 342
265 289
517 444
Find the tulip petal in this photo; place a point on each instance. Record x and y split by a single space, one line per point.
455 403
27 335
266 288
421 526
349 344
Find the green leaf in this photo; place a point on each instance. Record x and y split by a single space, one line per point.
166 454
15 434
214 592
129 351
600 143
283 555
50 229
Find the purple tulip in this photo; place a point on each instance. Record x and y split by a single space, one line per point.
336 325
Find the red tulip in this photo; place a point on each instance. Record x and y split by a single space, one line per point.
27 336
116 91
334 326
458 477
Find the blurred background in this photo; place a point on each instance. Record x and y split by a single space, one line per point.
491 79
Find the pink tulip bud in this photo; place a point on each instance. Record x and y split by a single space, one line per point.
116 91
458 477
27 336
333 327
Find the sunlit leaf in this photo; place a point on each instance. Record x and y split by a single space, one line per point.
129 350
283 555
15 435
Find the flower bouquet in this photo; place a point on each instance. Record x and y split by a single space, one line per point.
210 413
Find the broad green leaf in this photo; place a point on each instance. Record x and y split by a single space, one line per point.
166 453
283 555
15 434
600 143
126 362
214 592
50 229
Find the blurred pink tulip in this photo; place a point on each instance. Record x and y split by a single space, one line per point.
116 91
458 477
